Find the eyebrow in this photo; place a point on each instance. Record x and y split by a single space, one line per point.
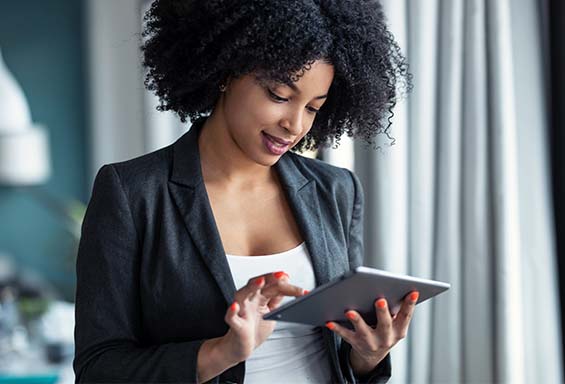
297 90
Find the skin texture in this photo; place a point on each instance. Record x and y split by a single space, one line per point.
247 328
231 145
235 159
341 48
371 345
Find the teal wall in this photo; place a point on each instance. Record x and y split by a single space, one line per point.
43 44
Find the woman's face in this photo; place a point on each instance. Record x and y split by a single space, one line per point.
258 113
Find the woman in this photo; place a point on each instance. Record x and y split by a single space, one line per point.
184 249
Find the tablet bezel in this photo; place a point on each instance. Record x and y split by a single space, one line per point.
330 301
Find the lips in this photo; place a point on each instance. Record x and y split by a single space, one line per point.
278 140
272 146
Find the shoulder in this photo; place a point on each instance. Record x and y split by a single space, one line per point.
144 172
327 177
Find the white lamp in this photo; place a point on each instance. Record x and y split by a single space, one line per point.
24 153
24 146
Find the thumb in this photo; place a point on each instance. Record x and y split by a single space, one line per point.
275 302
232 317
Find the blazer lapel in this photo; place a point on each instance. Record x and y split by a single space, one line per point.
188 192
303 199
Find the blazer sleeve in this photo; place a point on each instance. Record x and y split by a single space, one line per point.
108 323
382 372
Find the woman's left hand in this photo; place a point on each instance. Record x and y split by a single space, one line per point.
371 345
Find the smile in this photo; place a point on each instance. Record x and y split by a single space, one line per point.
272 145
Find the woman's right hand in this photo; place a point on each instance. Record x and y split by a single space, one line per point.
259 296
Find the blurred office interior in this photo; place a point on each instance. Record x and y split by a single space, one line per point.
479 135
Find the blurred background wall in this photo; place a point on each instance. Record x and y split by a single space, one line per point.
42 45
77 63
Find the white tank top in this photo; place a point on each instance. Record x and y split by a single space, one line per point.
293 353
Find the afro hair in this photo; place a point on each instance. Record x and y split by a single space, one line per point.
193 46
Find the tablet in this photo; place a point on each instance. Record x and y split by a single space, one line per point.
357 289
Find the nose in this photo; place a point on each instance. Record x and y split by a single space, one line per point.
293 124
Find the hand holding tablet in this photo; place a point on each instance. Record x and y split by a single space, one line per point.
355 290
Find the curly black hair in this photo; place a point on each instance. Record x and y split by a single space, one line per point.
193 46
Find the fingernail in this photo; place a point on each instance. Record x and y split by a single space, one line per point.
306 292
414 296
233 306
330 325
350 315
280 274
381 303
260 280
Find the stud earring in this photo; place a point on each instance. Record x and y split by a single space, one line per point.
222 87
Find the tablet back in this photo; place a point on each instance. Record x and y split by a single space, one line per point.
357 290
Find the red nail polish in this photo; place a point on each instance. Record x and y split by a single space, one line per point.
233 307
381 303
306 292
414 296
330 325
280 274
260 280
350 315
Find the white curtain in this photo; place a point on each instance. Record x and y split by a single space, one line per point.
161 128
124 122
463 195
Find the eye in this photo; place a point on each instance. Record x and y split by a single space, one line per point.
279 99
275 97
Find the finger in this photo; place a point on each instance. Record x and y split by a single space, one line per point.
384 323
275 301
232 317
260 281
346 334
251 288
404 315
359 324
281 287
273 277
281 275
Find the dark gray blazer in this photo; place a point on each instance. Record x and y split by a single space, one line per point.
153 282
